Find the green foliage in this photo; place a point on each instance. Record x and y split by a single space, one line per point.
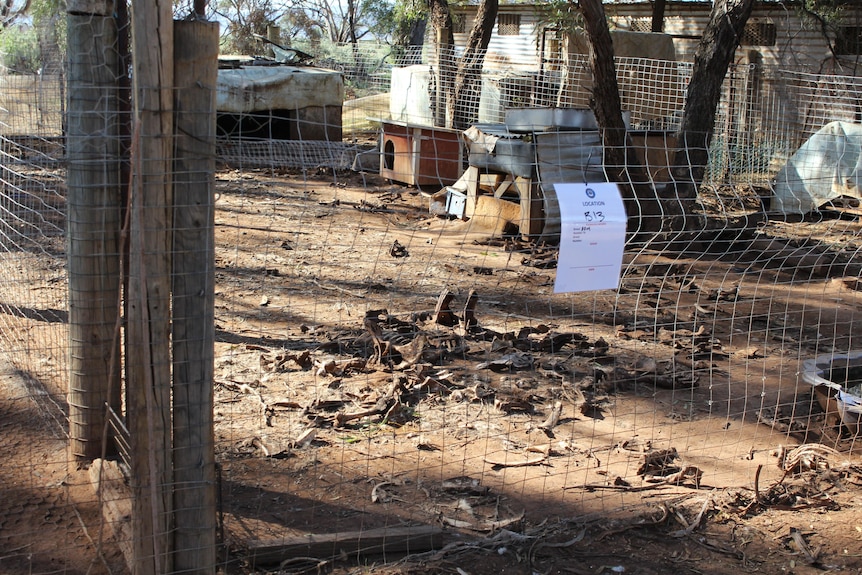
402 19
47 10
241 38
301 21
19 50
34 37
821 12
297 23
245 18
560 15
386 21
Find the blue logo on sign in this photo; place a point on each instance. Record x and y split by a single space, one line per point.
591 193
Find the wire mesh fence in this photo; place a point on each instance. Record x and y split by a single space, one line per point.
394 379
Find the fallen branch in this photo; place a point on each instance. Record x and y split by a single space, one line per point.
364 543
337 288
525 462
810 556
689 528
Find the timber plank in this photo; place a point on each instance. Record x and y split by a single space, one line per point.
385 540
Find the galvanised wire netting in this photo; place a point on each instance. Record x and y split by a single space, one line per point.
393 372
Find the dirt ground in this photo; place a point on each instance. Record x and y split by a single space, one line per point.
658 429
646 432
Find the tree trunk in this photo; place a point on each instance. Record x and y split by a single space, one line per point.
417 32
620 160
456 97
351 22
441 20
658 15
712 59
462 102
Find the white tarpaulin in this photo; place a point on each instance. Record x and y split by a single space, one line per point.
825 167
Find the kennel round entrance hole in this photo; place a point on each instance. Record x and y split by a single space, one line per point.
388 161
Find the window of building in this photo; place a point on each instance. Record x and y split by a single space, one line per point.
459 24
640 25
848 40
758 34
508 24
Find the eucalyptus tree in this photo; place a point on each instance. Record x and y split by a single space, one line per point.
458 78
32 35
713 57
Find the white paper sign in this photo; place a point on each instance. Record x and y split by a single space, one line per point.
592 237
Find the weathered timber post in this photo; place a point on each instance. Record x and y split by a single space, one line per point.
148 357
196 71
94 190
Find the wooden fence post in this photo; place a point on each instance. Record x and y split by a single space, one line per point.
196 71
148 357
94 190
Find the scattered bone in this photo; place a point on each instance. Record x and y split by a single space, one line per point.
659 462
468 318
384 406
332 366
549 449
553 418
464 484
379 495
258 443
442 314
811 457
305 438
484 526
277 362
397 250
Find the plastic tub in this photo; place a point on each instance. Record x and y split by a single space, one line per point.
838 377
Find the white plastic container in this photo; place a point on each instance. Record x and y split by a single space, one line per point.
846 392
